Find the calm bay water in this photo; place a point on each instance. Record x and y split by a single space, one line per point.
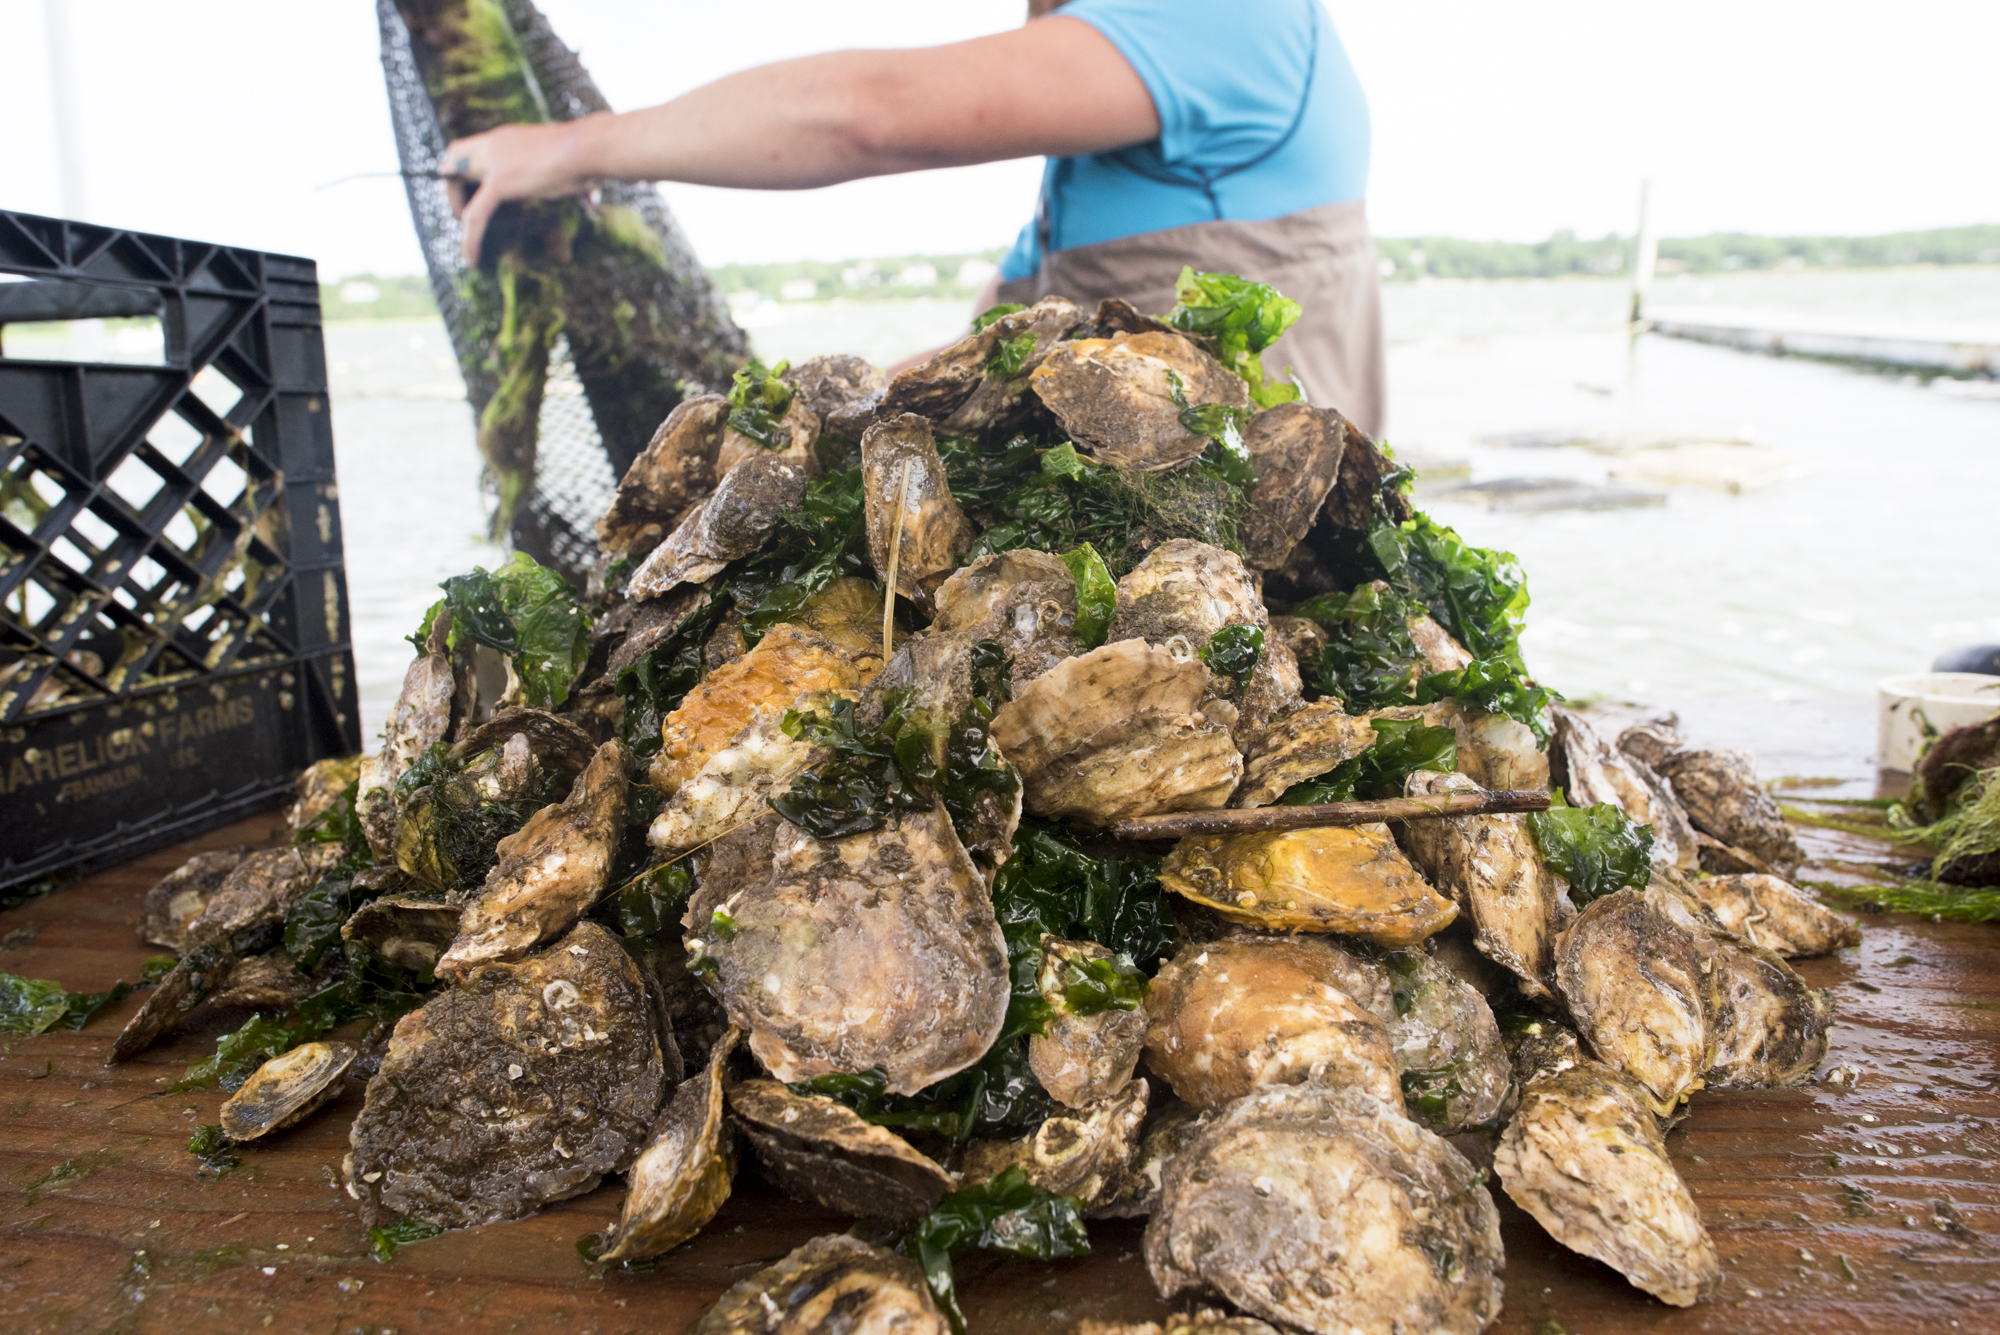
1870 560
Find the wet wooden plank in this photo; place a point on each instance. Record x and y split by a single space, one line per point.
1874 1209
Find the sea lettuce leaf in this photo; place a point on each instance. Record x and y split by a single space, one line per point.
523 610
1004 1213
758 401
1597 849
1243 318
1096 594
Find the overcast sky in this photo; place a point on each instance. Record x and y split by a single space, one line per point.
217 118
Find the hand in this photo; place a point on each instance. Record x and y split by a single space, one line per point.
512 162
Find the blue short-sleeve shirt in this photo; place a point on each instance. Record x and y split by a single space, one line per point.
1260 116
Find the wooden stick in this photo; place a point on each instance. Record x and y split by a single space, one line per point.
1256 820
895 560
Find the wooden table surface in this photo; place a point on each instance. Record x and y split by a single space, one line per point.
1875 1209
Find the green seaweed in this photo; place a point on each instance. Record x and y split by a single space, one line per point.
216 1151
1010 356
37 1005
1242 318
1401 747
1234 652
758 402
383 1242
874 775
523 610
1004 1213
651 903
992 313
1597 849
1926 898
1096 594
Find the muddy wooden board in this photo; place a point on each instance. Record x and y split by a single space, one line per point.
1874 1209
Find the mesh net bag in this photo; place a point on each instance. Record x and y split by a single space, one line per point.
590 426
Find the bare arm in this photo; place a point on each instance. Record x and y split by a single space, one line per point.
1055 86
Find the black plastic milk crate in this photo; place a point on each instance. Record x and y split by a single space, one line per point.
173 610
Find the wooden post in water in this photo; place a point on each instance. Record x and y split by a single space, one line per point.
1645 254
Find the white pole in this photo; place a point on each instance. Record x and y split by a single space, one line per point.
1645 253
69 153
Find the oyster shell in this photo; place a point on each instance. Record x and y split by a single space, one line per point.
1584 1156
933 675
683 1175
522 1084
819 1150
841 391
1296 449
879 950
794 435
1206 1321
263 982
1227 1017
1114 733
1594 771
405 929
240 919
1303 637
1540 1046
1025 600
905 483
1116 397
1723 799
848 613
1087 1153
835 1285
559 748
1455 1068
549 872
1363 465
1327 1210
938 386
286 1090
733 785
1081 1059
1353 881
733 522
178 898
1167 1131
1490 865
1771 912
422 716
676 469
1631 969
319 785
1300 744
1185 590
1661 992
1000 399
1765 1025
1508 757
788 662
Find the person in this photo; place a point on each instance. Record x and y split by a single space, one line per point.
1230 138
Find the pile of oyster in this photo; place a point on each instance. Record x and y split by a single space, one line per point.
1275 1098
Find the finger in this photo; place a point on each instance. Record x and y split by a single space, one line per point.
478 211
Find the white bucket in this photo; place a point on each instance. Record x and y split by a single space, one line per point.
1918 704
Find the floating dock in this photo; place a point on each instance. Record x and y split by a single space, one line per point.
1954 349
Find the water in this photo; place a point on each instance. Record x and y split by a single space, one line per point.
1805 591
